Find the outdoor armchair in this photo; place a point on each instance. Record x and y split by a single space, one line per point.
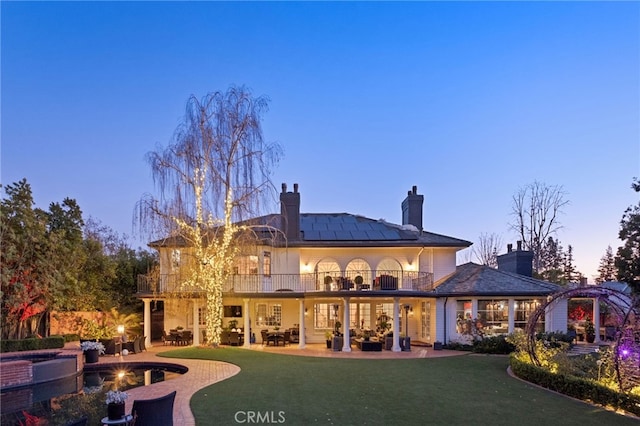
154 412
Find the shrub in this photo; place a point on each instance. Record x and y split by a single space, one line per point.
576 387
32 344
493 345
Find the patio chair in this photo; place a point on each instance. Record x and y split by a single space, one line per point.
143 344
169 338
154 412
266 338
234 338
110 346
187 337
137 348
286 338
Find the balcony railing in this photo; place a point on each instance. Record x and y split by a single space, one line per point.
311 282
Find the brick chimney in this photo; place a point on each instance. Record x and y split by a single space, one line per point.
290 212
517 262
412 208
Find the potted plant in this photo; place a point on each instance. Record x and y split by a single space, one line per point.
115 404
358 280
589 331
92 350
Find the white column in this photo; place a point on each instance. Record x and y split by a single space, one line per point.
596 318
396 325
346 341
511 309
196 323
247 325
301 342
147 322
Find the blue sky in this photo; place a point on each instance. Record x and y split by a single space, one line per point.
468 101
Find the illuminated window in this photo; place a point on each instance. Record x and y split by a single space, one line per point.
523 310
325 315
268 314
360 315
175 258
266 264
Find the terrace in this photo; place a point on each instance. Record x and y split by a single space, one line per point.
299 283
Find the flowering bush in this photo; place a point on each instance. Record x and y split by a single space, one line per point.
90 345
116 397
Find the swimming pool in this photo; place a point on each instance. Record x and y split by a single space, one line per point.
66 399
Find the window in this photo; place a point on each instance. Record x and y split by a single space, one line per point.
463 316
175 259
325 315
269 315
202 316
425 321
360 315
246 265
523 309
384 316
494 316
266 263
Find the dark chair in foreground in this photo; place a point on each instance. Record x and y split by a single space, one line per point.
154 412
111 347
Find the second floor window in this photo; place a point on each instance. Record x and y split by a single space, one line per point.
175 259
266 264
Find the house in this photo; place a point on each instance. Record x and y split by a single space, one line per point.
328 268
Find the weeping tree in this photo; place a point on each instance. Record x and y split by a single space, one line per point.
212 177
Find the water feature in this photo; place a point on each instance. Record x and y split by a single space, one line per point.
63 400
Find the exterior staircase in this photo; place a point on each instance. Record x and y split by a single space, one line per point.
583 349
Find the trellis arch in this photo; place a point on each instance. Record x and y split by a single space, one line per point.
626 348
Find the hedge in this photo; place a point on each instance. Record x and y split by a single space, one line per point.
32 344
576 387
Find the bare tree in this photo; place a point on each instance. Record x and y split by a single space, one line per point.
486 251
536 208
212 176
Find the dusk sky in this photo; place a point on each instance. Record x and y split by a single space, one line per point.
468 101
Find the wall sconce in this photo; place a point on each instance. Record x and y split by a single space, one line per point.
306 312
306 268
410 267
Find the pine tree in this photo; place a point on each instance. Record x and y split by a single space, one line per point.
607 268
627 260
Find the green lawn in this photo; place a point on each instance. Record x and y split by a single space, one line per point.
461 390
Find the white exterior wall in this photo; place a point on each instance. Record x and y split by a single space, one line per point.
444 263
556 316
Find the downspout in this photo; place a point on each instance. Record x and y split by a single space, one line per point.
446 299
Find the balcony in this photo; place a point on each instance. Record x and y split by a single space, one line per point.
164 285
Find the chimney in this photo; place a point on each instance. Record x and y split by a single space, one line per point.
412 208
290 212
517 262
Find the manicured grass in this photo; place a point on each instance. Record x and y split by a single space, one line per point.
461 390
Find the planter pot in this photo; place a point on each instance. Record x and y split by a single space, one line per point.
91 356
337 343
388 343
591 338
115 411
328 344
405 344
437 346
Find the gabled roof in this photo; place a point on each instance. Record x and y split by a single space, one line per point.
340 229
471 279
